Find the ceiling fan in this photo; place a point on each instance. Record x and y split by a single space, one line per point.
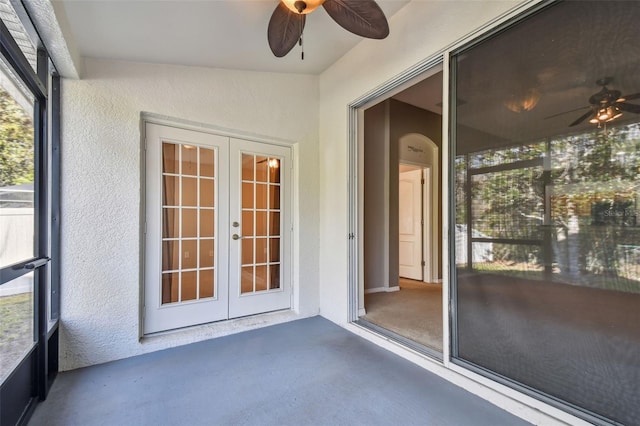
606 105
361 17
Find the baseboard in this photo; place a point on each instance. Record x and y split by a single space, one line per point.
362 312
382 290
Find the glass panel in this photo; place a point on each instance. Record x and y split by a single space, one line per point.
207 223
261 278
189 223
206 254
206 283
274 197
247 195
274 170
274 250
261 196
189 192
170 220
170 158
274 276
261 223
247 251
16 322
247 167
261 250
207 162
274 223
207 196
170 255
189 285
247 223
19 33
548 169
189 254
170 287
170 191
189 160
262 166
246 279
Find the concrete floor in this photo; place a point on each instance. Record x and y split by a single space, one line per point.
305 372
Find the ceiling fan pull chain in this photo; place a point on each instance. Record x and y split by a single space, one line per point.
302 46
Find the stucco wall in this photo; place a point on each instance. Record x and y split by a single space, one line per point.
101 187
418 31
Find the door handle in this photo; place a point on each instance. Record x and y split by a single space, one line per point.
236 236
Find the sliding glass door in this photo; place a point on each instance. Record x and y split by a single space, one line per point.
546 193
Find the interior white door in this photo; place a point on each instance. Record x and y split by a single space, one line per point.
186 245
410 226
259 275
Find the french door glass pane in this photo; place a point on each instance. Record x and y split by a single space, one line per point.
188 246
260 223
547 199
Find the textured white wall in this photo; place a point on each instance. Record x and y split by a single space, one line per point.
101 188
418 31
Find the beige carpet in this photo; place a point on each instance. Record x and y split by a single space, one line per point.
414 312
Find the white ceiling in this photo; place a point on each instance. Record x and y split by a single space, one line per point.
228 34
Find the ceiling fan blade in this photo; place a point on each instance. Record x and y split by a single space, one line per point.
629 107
566 112
581 118
361 17
285 29
631 97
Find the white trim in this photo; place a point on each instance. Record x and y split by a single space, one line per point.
382 290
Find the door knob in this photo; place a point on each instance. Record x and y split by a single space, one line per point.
235 236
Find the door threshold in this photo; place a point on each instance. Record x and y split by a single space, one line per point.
397 338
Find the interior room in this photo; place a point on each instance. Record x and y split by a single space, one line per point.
402 223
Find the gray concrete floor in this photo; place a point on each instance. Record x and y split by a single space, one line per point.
306 372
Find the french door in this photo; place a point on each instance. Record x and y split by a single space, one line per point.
217 228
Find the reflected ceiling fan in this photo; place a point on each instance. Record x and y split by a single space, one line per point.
361 17
606 105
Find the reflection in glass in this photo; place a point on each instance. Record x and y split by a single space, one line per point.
274 170
262 167
206 283
261 278
274 197
170 155
261 250
246 279
274 223
207 223
189 254
189 192
207 196
207 162
247 251
16 320
189 160
546 208
170 220
274 249
247 167
189 285
206 254
189 223
170 255
170 286
247 223
261 223
261 196
170 190
274 276
247 195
